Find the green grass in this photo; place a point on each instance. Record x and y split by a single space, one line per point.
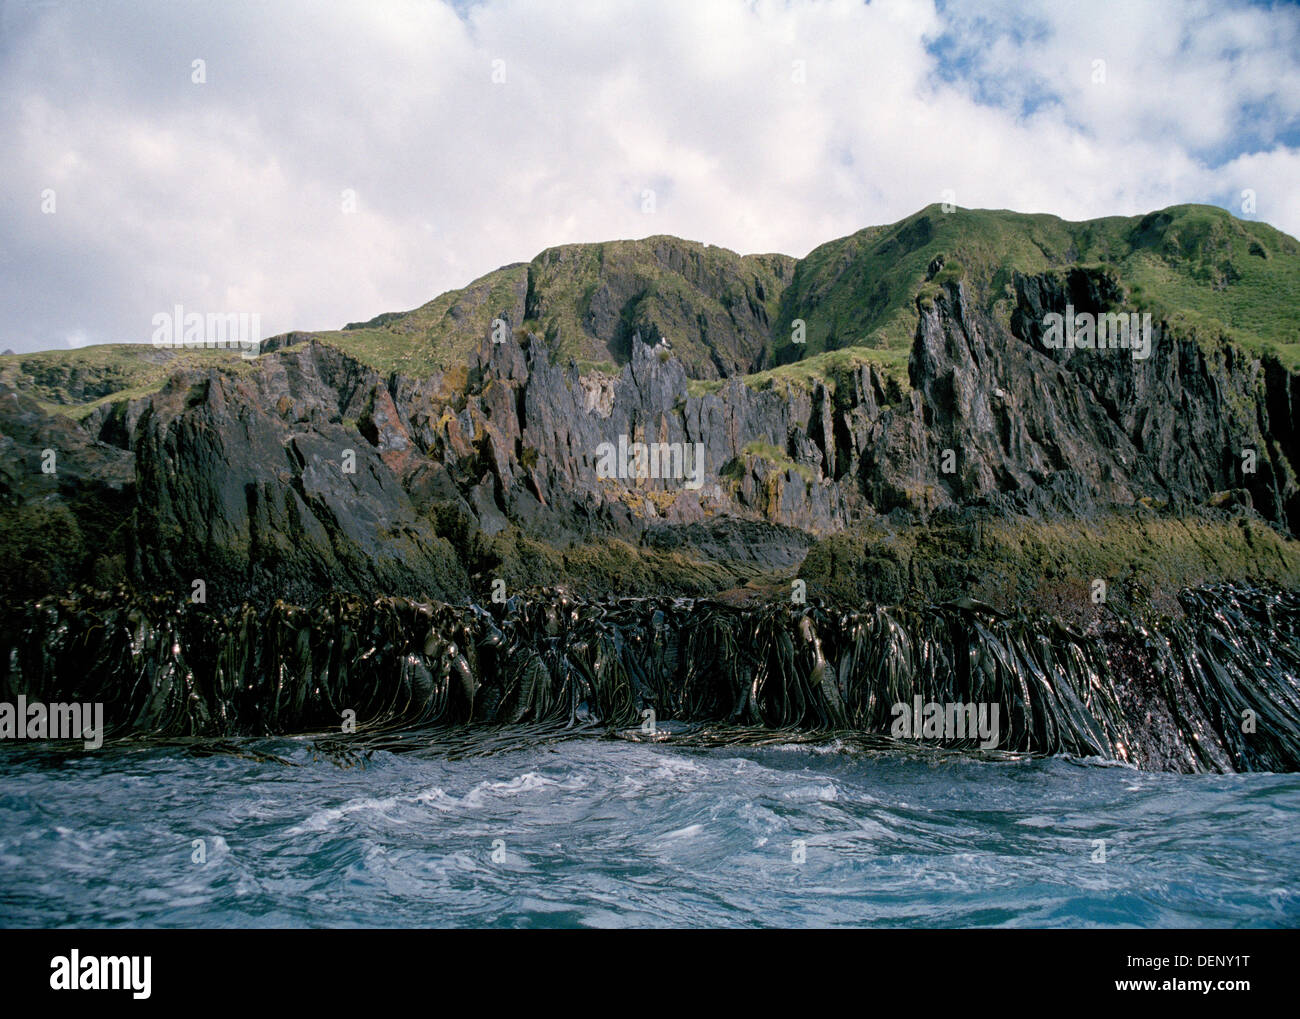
443 332
75 382
831 368
662 285
1199 266
1205 270
771 454
702 387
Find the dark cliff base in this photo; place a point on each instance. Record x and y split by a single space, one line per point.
1013 564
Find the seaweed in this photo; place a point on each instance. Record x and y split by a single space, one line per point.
1215 690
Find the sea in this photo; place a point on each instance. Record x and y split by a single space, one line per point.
598 832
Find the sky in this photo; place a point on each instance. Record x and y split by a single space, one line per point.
317 163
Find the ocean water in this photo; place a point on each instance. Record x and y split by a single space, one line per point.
606 833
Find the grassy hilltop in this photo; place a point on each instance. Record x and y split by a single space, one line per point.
1199 267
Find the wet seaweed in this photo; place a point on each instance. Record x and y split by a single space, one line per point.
1216 690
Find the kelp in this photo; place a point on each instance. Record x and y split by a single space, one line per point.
1216 690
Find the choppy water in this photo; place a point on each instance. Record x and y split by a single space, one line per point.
605 833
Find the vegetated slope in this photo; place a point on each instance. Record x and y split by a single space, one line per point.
1196 266
589 300
74 382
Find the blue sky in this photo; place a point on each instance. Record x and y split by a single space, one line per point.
474 135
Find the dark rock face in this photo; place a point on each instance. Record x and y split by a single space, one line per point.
1176 425
1038 428
80 462
256 485
305 471
61 492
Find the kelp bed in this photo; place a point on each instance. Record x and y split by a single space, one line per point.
1214 691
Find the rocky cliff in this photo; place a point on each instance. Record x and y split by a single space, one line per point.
322 465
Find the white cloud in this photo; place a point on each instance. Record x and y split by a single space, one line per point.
228 195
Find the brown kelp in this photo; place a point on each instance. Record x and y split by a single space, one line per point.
1216 690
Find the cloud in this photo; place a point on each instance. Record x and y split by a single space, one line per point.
760 126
